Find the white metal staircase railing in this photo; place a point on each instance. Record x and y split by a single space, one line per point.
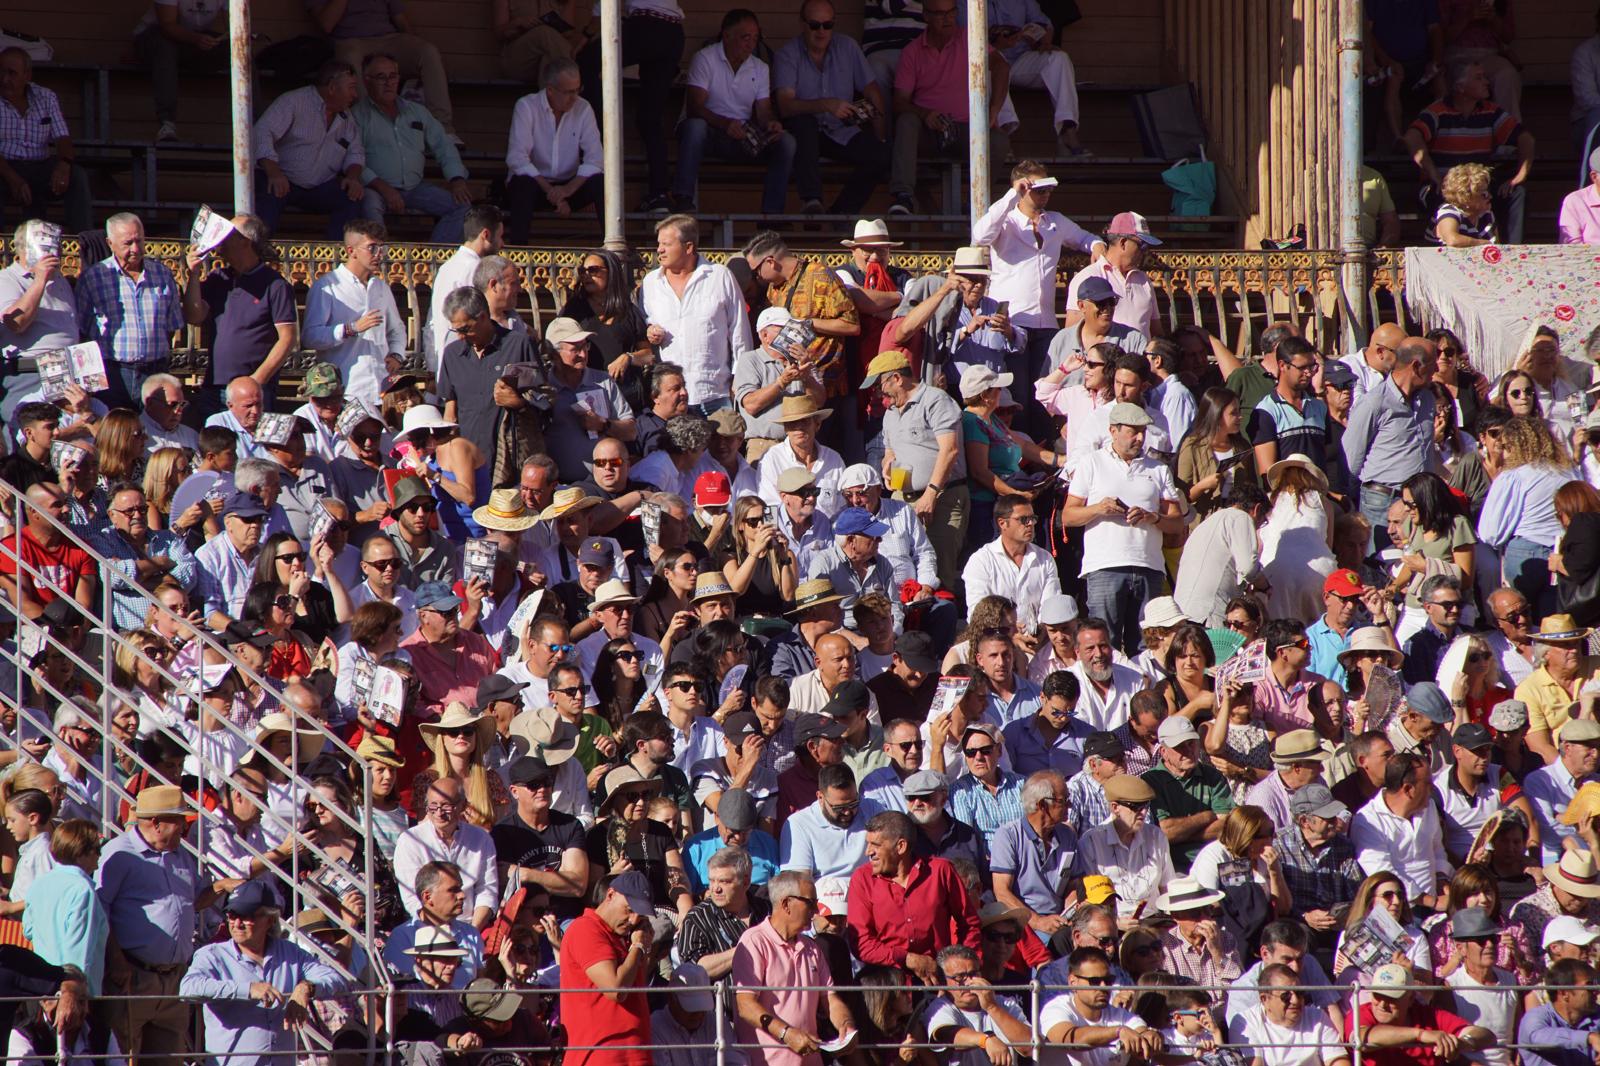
17 508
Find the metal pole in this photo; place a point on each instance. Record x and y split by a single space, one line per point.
611 133
978 106
1355 270
244 192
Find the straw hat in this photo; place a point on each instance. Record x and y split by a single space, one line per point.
1560 629
161 801
380 750
814 593
799 408
613 593
709 586
1371 639
871 233
1186 894
1276 470
1576 874
505 512
625 777
1298 745
456 716
571 498
308 747
435 943
548 736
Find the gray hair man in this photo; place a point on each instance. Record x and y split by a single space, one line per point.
38 312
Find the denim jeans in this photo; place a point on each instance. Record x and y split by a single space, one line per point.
1375 503
696 140
1118 595
1525 566
426 199
329 199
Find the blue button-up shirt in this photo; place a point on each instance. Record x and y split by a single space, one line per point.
982 347
225 576
397 148
1036 867
240 1031
1558 1042
830 562
1024 702
1029 750
972 802
1325 648
132 320
128 603
1086 802
67 923
1389 438
149 896
844 75
906 545
1550 789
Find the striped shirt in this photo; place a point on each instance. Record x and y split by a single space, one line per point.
1182 958
972 802
1452 137
132 319
26 136
1302 431
1086 802
1481 228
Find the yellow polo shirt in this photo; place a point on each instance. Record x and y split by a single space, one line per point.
1547 701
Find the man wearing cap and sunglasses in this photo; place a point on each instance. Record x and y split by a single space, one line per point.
1127 237
763 376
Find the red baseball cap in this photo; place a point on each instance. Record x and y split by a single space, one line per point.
711 489
1343 583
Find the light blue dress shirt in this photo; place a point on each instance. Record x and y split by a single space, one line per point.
808 841
239 1030
973 803
149 897
67 922
397 148
1521 504
1550 789
1389 438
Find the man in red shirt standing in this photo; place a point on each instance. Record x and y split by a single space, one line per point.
1398 1031
605 956
59 566
905 908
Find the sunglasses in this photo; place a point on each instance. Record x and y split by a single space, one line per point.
382 564
428 508
1002 936
1288 996
459 731
806 494
1517 394
908 745
1238 623
1025 519
986 751
846 808
283 603
825 24
1448 605
684 686
574 691
628 656
1477 657
292 557
610 464
562 649
1093 365
1103 981
809 901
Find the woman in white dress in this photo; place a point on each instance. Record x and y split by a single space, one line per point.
1297 539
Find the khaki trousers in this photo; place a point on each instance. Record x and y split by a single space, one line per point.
947 531
153 1028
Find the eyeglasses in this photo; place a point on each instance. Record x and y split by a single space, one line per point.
1106 941
1521 614
825 24
441 808
381 564
1477 656
1002 936
462 331
846 808
292 557
985 751
961 978
610 464
1302 368
599 268
1517 394
908 746
572 691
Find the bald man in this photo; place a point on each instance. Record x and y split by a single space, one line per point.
836 664
1374 362
246 401
1390 434
45 549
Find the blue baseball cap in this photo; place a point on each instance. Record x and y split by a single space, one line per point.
857 521
249 898
243 505
436 596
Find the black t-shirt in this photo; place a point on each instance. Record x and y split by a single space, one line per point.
520 844
22 472
607 841
468 379
651 432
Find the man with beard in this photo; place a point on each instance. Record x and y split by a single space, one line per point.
830 836
1290 420
902 743
1086 1017
927 796
1105 686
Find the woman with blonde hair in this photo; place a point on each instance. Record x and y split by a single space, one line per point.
1244 866
119 446
1469 673
1297 538
458 741
1519 518
165 470
141 673
762 572
1466 218
1384 889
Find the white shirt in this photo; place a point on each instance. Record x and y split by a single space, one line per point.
1313 1042
295 133
705 327
827 470
1367 378
1021 269
1136 297
471 849
1513 667
702 740
1109 710
455 274
1220 553
336 300
945 1017
404 599
1413 848
1140 869
808 695
730 93
179 437
1064 1008
1110 542
659 470
556 147
990 572
1495 1009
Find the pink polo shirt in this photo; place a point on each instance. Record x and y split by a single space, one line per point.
1580 217
1136 297
935 77
762 957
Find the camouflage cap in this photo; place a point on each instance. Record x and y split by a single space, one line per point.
321 381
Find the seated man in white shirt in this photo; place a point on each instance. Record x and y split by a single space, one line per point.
308 151
553 155
729 115
1103 1034
971 1018
1284 1029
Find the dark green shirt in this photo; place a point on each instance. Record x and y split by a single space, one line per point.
1251 384
1205 789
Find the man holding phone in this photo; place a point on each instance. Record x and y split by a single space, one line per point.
763 376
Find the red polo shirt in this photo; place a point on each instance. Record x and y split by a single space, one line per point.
1420 1015
621 1026
931 912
